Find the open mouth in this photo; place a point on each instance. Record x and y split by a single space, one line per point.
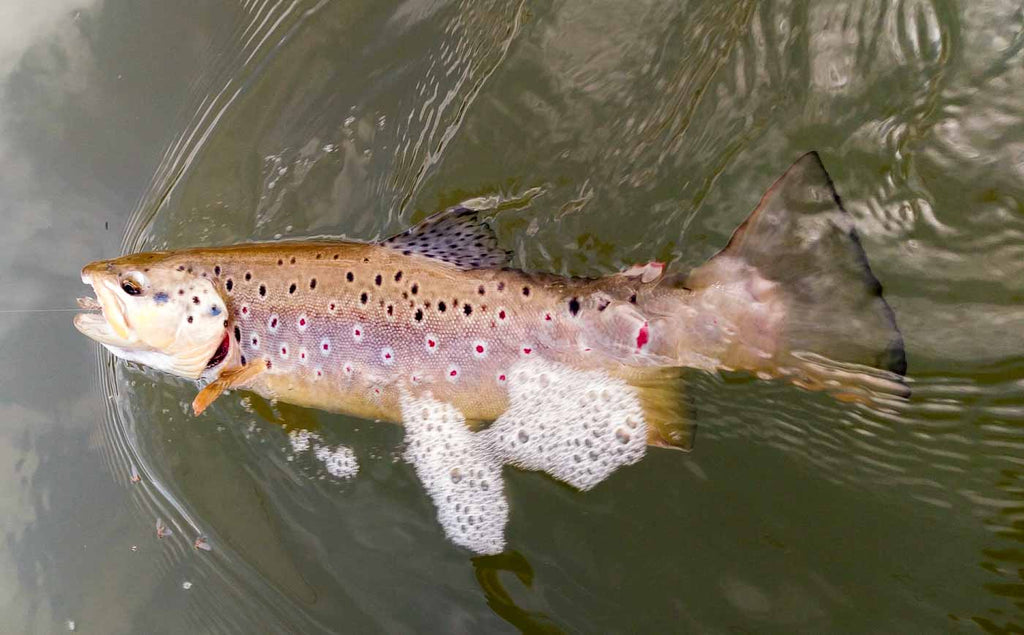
221 353
110 326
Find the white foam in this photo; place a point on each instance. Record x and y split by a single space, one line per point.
459 474
340 461
301 439
578 426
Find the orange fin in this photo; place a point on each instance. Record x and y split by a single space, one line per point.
228 379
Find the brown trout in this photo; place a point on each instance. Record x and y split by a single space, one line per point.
433 317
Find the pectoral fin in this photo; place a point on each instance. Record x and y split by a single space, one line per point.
228 379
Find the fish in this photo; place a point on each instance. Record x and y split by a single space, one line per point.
432 326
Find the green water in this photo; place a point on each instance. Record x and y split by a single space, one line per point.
611 133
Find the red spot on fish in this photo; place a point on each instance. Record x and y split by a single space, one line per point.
479 348
284 350
245 309
331 307
501 314
453 373
431 343
501 377
642 337
527 351
547 316
302 322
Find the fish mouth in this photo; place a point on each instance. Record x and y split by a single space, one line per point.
111 325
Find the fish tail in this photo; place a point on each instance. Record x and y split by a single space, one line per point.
792 296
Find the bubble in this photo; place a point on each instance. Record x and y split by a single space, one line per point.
444 452
570 438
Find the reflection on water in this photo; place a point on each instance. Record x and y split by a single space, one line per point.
613 134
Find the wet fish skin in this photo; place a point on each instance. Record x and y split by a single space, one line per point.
350 327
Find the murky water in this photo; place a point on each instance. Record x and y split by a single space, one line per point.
610 133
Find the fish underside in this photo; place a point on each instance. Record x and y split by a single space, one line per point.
487 365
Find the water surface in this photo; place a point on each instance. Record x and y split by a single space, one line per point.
608 133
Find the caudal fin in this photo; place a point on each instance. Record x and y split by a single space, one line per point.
814 310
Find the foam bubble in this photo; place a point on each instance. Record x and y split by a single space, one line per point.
578 426
300 440
340 461
460 475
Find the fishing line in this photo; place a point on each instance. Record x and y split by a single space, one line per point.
78 310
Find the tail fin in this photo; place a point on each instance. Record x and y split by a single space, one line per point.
815 300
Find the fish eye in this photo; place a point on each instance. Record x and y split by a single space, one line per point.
132 283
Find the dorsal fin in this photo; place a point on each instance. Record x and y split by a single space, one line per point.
457 236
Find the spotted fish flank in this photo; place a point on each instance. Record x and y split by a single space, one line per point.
430 328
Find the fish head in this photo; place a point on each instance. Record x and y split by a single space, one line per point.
155 311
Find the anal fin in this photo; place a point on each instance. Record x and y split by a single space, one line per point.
228 379
665 404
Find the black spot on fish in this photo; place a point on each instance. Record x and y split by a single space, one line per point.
319 256
243 360
238 334
441 306
415 289
467 309
377 280
189 319
263 290
363 297
216 270
391 309
312 283
632 298
181 292
501 286
350 276
419 315
292 260
574 306
398 276
291 289
248 276
526 291
181 267
195 299
335 256
280 262
229 284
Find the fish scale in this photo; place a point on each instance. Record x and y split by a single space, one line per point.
332 334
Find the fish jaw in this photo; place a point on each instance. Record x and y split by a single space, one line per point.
110 327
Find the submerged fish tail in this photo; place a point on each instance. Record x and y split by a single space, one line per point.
791 296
